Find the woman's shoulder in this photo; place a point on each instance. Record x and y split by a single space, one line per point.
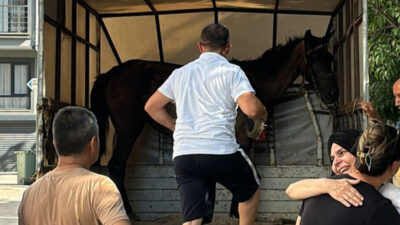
389 188
392 193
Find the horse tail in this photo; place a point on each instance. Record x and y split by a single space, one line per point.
99 107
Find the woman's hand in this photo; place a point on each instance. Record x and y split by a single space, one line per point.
342 190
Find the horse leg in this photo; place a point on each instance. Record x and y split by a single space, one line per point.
118 161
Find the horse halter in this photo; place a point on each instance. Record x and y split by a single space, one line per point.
310 64
320 46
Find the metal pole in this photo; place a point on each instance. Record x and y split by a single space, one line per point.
39 71
316 128
365 73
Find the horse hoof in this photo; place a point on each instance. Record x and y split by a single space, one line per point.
254 128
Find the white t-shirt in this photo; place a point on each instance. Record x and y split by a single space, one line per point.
205 93
392 193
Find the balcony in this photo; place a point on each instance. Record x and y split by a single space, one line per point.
14 17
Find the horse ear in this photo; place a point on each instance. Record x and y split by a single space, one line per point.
328 36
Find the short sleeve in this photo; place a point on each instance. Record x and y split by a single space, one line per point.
301 209
108 203
240 85
167 87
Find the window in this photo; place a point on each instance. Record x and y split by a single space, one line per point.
13 16
14 93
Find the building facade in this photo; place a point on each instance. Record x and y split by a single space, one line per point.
18 70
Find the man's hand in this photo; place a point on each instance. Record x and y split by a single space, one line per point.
369 110
342 190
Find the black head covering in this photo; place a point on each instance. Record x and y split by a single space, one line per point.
346 138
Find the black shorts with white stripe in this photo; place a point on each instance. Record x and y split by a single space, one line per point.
196 176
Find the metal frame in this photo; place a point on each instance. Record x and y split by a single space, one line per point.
87 60
158 29
218 9
100 19
61 29
365 57
214 9
349 113
73 54
110 42
39 68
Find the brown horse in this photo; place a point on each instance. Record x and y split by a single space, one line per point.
122 92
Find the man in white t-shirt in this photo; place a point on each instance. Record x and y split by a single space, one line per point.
206 93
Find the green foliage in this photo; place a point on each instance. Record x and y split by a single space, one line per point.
384 55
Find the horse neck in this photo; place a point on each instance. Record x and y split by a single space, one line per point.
294 68
270 87
287 75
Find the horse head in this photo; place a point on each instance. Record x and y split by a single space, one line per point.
319 72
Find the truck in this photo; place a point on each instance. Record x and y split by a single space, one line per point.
81 39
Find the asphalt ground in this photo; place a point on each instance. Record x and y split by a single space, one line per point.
10 196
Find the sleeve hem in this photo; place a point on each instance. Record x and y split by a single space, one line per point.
243 92
166 95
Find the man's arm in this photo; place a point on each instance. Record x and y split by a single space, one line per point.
298 220
341 190
371 112
252 106
155 108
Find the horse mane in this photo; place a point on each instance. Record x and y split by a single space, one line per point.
270 61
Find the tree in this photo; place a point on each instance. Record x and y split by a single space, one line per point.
384 55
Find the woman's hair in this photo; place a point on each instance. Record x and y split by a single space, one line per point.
378 147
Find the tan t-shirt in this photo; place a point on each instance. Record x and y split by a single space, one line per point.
77 196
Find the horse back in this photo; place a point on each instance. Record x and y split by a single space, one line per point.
139 78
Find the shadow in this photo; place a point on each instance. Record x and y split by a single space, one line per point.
9 160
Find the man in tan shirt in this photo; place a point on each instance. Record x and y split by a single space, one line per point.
71 194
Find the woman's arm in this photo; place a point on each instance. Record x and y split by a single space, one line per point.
341 190
298 220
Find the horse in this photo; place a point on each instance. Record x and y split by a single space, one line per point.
122 92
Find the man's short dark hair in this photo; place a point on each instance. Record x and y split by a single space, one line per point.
73 127
215 36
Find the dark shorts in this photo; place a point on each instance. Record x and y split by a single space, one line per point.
197 175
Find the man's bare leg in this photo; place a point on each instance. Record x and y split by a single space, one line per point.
194 222
248 209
